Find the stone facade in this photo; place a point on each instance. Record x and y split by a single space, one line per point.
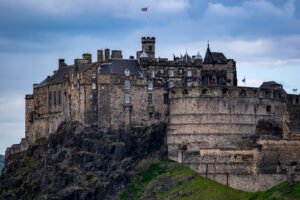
238 136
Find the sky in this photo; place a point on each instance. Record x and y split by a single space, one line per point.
262 36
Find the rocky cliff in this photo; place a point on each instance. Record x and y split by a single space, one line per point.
81 163
1 163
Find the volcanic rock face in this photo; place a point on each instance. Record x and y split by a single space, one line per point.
81 163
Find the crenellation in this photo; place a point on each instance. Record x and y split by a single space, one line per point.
240 136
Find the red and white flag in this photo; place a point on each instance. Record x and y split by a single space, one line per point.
144 9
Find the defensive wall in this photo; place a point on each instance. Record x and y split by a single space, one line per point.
232 134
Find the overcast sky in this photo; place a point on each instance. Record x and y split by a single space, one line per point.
263 36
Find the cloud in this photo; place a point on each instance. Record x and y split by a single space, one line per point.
118 8
12 107
11 133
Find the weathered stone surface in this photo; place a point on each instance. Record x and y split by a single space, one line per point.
81 163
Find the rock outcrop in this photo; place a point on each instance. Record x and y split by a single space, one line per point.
81 163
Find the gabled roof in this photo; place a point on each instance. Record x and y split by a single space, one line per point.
60 74
270 84
214 57
118 66
186 58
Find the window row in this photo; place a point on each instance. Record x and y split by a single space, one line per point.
171 73
127 98
54 98
208 80
78 86
78 75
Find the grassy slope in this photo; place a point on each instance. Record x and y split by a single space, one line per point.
1 162
171 180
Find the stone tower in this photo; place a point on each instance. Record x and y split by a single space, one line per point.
148 46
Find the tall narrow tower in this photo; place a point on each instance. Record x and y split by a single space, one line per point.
148 46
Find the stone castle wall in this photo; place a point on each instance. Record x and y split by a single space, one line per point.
218 132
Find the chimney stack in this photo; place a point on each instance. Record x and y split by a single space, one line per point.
107 54
87 57
100 56
61 63
116 54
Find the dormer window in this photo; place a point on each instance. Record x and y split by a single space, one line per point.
150 85
152 73
171 73
189 73
127 72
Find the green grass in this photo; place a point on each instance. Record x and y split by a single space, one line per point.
172 180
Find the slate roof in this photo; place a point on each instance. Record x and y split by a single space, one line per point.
294 126
60 74
270 84
186 58
118 66
214 57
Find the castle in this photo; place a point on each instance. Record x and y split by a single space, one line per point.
247 138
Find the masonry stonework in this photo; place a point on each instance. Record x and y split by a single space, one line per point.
246 138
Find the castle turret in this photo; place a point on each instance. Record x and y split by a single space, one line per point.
148 46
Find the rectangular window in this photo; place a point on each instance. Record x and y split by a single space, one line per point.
93 86
127 98
205 80
127 84
150 98
54 98
72 76
99 70
189 84
50 98
102 87
221 80
171 84
78 75
150 85
127 72
171 73
166 98
78 86
72 86
102 98
80 96
152 73
93 75
59 97
189 73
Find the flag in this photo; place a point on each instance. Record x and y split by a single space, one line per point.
244 80
144 9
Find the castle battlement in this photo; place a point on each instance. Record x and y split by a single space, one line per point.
224 132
